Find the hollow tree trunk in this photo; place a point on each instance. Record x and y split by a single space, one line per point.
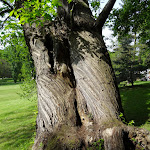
78 100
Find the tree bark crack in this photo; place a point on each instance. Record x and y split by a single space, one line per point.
49 45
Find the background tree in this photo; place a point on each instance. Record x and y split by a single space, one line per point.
5 69
16 52
78 99
133 18
127 61
17 55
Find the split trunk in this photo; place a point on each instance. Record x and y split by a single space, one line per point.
78 99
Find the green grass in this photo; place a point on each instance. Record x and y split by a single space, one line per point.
17 119
136 103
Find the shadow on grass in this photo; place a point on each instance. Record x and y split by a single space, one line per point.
18 137
136 103
22 132
14 119
8 81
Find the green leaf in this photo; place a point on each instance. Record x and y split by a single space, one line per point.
20 9
11 13
15 13
17 16
22 19
69 1
11 1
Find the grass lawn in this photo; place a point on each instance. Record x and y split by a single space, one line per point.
17 119
136 103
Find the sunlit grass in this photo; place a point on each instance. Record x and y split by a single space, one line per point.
17 119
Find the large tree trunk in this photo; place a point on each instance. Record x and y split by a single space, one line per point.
78 100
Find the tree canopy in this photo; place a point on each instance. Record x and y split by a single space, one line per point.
126 63
133 19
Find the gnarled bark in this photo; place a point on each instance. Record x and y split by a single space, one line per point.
78 100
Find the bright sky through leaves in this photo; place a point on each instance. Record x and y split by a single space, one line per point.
106 32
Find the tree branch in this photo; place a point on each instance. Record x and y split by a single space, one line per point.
1 26
104 14
2 13
3 1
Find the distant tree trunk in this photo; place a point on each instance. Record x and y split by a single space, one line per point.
78 99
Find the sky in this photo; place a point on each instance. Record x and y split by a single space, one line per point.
106 31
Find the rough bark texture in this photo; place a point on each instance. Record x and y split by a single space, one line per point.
78 100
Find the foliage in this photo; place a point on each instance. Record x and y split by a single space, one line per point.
28 89
18 56
95 6
133 18
126 62
98 145
16 52
5 9
131 123
5 69
45 9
